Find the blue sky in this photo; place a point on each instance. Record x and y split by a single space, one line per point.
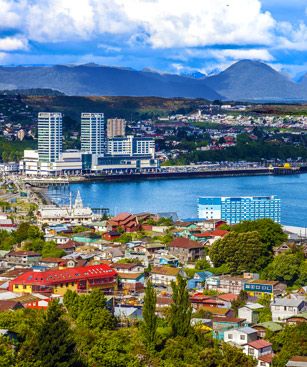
167 35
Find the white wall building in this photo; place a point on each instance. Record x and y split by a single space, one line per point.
49 136
240 336
93 133
282 308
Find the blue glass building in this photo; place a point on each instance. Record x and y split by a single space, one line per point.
237 209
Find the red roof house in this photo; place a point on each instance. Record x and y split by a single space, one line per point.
80 279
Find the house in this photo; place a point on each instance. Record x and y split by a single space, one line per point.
227 299
282 308
258 348
164 275
199 301
128 268
165 259
297 361
281 249
10 305
69 247
263 327
265 360
125 221
297 319
80 279
199 279
123 313
132 281
257 288
186 250
240 336
221 324
24 258
111 235
212 224
52 262
225 283
218 311
250 312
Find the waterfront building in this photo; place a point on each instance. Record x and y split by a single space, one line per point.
49 136
80 279
131 146
116 127
237 209
93 133
127 155
77 213
69 163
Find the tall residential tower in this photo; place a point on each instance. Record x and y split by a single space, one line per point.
49 136
93 133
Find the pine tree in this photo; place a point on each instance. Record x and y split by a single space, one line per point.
181 310
149 326
52 344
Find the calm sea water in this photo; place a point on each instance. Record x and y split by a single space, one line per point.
181 195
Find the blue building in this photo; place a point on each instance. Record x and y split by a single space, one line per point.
237 209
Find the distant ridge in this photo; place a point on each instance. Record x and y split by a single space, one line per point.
254 80
245 80
86 80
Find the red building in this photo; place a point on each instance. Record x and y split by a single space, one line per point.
80 279
128 222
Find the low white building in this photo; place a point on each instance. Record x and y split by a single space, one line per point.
283 308
250 312
240 336
70 162
163 276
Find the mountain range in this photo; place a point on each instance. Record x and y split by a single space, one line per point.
245 80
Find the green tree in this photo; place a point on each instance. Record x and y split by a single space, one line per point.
7 355
233 357
289 342
284 267
270 232
240 252
149 324
52 344
180 310
50 249
239 302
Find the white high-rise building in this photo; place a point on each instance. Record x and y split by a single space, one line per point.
93 133
49 136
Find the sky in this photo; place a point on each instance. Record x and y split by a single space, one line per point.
175 36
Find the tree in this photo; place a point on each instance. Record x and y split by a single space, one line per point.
270 232
289 342
52 344
7 355
284 267
233 356
50 249
265 313
181 310
240 252
149 325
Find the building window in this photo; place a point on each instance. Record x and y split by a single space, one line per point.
16 286
229 336
24 287
251 351
242 337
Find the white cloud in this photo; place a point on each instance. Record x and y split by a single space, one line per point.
292 38
167 23
13 44
233 54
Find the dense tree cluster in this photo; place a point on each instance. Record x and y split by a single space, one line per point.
83 333
248 247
